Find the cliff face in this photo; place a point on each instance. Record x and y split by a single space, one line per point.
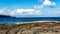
31 28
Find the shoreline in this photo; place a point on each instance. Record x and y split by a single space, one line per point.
37 22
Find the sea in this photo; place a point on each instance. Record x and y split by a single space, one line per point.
13 20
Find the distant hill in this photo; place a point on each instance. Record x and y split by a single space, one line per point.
6 16
1 16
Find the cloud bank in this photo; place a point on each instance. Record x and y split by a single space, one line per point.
19 12
30 13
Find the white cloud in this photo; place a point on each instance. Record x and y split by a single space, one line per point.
23 11
5 11
49 3
46 3
19 12
29 12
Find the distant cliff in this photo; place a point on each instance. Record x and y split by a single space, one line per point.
6 16
1 16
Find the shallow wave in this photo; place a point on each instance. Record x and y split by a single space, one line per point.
36 22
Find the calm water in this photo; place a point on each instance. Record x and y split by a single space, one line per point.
13 20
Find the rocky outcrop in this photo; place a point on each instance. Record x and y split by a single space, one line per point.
31 28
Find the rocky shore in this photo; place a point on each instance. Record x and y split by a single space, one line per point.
31 28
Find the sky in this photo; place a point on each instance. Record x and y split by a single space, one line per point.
30 8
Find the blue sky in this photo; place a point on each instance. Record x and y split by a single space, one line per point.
18 3
30 8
